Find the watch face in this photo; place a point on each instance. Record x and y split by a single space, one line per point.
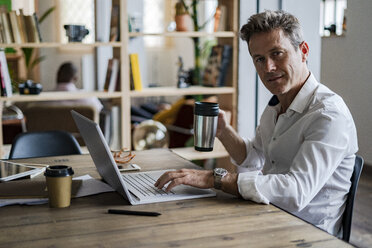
220 171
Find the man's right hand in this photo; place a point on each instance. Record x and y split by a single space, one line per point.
230 139
222 123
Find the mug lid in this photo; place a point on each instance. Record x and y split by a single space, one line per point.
206 108
58 171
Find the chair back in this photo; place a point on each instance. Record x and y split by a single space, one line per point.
348 213
44 144
48 117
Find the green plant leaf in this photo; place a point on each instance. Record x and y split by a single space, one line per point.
185 6
46 13
37 61
27 51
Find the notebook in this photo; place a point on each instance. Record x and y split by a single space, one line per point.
137 187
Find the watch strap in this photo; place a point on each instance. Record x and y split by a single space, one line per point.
218 174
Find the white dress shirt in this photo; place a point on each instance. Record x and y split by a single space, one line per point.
302 161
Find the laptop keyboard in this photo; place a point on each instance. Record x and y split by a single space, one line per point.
143 183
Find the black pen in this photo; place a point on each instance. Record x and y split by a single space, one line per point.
130 212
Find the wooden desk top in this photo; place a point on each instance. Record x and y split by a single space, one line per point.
222 221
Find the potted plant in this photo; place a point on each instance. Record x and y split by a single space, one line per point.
192 11
182 18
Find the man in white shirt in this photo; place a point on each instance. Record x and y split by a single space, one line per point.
303 154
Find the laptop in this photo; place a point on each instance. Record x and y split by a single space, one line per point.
137 188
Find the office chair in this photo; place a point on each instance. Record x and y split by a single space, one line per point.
48 117
348 213
44 144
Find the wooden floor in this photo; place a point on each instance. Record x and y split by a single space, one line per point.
361 231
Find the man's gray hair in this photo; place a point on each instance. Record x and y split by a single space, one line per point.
271 20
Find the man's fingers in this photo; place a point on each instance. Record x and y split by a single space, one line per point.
183 176
174 183
166 177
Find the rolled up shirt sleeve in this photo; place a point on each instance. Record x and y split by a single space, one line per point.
248 188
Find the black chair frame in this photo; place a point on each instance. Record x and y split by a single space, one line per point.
44 144
348 213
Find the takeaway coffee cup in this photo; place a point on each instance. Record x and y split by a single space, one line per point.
59 180
205 125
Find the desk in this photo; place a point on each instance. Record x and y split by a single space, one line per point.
222 221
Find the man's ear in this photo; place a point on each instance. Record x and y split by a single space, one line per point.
304 49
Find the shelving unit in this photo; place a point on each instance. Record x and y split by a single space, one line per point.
227 95
225 34
61 45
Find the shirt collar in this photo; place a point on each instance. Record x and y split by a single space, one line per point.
302 98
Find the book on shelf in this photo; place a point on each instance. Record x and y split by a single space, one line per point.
15 27
2 33
18 28
4 18
5 77
135 74
115 21
111 75
22 26
88 76
103 18
218 62
31 30
118 82
2 84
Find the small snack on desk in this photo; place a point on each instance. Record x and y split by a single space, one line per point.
123 156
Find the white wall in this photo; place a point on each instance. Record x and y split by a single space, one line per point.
246 77
346 69
308 13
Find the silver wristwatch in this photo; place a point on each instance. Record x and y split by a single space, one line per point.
218 174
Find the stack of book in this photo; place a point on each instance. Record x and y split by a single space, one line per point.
18 28
5 82
112 81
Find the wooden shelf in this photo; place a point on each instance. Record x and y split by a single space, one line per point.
226 34
189 153
227 96
62 45
174 91
59 95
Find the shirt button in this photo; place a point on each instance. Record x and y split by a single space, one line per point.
274 138
272 161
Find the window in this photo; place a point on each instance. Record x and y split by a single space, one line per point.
332 18
154 21
79 12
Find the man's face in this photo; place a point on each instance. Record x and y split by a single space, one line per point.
280 66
